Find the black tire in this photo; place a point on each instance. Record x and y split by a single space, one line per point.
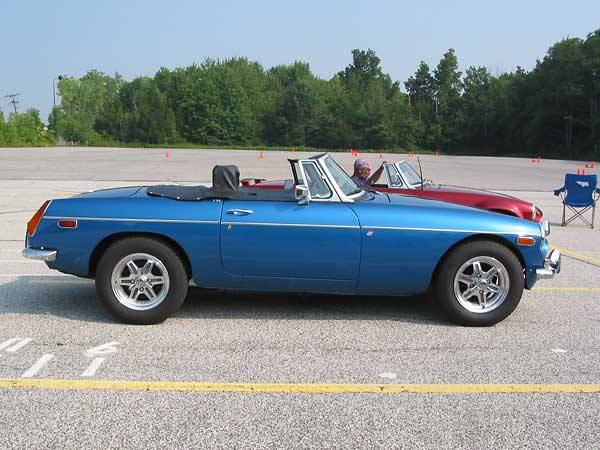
164 260
468 311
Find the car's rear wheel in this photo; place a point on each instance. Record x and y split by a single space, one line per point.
141 280
479 283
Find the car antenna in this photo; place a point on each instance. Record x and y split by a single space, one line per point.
420 172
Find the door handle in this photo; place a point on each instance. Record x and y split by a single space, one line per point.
240 212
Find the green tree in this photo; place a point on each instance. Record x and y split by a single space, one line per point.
448 85
421 92
148 116
295 115
82 105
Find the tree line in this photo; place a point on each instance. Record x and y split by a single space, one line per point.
24 129
553 109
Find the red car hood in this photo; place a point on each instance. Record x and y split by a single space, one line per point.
464 190
472 197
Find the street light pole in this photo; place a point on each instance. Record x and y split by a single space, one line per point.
55 117
60 77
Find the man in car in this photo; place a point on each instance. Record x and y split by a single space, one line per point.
362 173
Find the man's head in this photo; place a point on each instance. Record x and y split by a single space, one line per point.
362 168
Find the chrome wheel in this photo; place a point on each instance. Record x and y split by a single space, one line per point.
140 281
481 284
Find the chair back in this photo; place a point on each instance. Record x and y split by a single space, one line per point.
580 189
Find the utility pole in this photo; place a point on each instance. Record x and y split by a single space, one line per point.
13 100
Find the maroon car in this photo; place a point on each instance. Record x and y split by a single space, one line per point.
401 178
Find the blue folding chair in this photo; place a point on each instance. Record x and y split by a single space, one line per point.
579 194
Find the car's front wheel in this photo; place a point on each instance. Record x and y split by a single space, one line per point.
479 283
141 280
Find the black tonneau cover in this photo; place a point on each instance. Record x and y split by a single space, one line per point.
226 185
197 193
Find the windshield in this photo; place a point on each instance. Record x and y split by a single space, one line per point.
346 184
409 173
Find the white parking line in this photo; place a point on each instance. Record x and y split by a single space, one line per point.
21 342
103 349
47 274
93 367
7 261
389 375
39 364
14 344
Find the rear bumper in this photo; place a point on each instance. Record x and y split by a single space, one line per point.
42 255
551 265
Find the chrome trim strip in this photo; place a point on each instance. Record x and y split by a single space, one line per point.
299 225
109 219
445 230
42 255
306 225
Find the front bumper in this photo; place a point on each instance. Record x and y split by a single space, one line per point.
551 265
42 255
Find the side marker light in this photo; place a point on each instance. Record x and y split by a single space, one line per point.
64 223
526 241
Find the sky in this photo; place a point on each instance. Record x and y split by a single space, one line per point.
46 38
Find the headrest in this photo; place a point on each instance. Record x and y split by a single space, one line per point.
226 178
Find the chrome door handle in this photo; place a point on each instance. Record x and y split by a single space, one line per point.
240 212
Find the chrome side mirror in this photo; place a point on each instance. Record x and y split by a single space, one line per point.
302 195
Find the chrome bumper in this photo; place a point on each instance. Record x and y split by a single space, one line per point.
42 255
551 265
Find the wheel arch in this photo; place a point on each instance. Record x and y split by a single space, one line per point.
479 238
109 240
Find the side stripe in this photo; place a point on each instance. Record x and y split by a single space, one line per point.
446 230
303 225
113 219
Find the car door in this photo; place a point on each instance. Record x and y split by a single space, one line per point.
284 240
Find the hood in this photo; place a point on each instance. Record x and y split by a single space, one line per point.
419 212
468 191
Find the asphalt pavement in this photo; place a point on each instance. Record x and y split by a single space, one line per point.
257 370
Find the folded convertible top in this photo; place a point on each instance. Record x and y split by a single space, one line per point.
197 193
226 185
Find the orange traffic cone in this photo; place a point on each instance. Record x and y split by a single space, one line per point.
380 156
167 154
261 155
582 171
578 172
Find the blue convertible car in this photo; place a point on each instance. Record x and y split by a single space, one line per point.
322 233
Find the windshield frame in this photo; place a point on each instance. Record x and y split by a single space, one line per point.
406 174
343 177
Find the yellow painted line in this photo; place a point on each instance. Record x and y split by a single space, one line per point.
566 289
61 281
299 388
577 255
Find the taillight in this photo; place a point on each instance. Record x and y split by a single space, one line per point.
37 217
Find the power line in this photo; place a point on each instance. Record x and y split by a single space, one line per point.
13 100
